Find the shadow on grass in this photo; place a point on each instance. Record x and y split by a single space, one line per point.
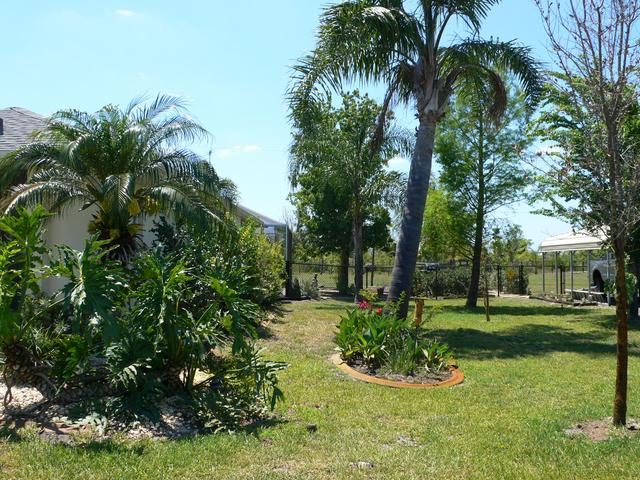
526 340
521 310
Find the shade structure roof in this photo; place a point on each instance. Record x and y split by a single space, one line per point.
572 241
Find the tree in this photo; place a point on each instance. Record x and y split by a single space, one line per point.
125 164
325 228
482 162
595 173
331 151
508 244
445 229
404 49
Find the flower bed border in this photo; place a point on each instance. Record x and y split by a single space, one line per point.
456 377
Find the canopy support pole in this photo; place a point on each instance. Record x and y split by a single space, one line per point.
589 271
543 279
571 268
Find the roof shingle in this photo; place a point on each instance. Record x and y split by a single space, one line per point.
19 124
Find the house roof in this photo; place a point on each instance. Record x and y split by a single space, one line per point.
18 126
571 241
266 221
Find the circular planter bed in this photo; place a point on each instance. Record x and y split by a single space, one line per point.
456 377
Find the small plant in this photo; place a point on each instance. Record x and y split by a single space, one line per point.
310 288
437 356
381 341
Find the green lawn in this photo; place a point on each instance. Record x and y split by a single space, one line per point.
533 371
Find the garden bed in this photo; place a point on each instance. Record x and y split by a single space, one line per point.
361 372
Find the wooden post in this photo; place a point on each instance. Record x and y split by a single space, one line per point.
417 318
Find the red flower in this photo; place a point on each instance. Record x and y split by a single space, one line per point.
379 311
364 305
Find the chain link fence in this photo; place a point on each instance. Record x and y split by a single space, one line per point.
437 280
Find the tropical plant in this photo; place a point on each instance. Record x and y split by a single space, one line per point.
402 47
383 342
21 270
363 334
120 164
122 338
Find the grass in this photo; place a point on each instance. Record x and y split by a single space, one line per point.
532 371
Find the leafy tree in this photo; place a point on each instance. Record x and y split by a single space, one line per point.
508 244
124 164
594 177
332 161
482 162
404 47
445 229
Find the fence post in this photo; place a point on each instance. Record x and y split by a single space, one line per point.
435 290
499 279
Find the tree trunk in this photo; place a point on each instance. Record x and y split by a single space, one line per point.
633 308
472 295
343 274
412 214
622 357
476 264
358 259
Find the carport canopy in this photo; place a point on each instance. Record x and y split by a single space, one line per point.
573 241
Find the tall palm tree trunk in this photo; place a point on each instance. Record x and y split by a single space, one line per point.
358 258
412 215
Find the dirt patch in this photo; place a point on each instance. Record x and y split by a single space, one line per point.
421 377
600 430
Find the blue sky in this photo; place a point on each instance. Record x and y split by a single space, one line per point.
230 59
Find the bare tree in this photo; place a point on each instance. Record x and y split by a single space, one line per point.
596 49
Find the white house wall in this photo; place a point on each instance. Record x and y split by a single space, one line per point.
71 229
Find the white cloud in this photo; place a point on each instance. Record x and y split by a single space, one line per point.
123 12
226 152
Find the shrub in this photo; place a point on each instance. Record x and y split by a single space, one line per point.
123 337
310 288
242 257
454 281
511 281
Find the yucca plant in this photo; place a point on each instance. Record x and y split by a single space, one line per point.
123 165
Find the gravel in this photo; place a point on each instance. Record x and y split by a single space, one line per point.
54 424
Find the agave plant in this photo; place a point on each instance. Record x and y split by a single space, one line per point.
123 165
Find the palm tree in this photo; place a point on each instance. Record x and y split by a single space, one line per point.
122 164
382 41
